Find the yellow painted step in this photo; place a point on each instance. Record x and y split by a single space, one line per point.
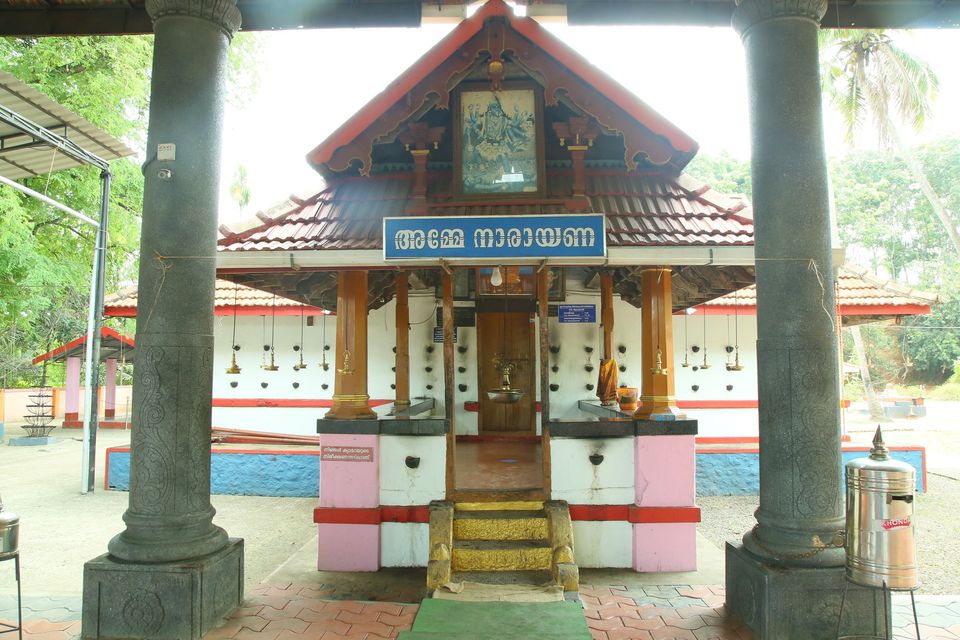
500 525
515 505
501 555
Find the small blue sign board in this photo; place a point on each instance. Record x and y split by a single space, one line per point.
577 313
550 236
438 334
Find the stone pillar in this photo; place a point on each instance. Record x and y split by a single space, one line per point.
110 394
71 405
172 573
350 399
791 556
658 400
402 363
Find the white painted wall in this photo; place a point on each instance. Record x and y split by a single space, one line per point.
578 481
601 545
404 544
571 361
401 485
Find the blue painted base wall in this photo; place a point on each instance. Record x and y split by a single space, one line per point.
243 474
738 474
298 475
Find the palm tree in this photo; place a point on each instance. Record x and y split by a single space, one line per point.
240 188
869 78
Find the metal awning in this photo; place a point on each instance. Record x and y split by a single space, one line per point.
23 155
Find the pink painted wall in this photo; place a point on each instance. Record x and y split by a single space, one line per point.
110 392
72 393
349 483
348 547
665 547
666 471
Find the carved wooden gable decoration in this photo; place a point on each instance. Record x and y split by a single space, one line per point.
512 76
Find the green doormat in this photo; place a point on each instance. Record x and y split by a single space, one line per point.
498 621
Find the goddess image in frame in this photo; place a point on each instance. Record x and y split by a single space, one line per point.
499 150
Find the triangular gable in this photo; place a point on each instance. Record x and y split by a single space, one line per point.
495 32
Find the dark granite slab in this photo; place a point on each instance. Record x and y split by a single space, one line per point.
385 426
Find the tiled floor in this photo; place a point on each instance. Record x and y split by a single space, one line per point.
299 612
499 465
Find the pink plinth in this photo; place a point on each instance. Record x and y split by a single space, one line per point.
110 393
71 400
348 547
349 471
666 471
665 547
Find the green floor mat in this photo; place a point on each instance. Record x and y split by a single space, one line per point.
498 620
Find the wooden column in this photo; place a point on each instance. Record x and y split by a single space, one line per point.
543 295
350 399
606 313
402 396
448 381
657 395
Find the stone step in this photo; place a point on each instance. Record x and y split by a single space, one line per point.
510 505
500 525
501 555
536 578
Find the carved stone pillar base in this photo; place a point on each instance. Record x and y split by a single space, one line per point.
800 603
180 600
350 407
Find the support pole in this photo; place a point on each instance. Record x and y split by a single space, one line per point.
350 398
543 314
606 313
450 411
92 347
658 400
402 363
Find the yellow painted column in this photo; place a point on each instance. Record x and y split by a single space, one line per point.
657 393
350 399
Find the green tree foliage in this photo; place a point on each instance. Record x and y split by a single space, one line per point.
724 173
46 256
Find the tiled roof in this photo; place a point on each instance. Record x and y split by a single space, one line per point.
123 302
413 85
641 209
856 287
112 345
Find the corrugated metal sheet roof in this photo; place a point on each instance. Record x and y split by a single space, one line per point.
641 210
22 157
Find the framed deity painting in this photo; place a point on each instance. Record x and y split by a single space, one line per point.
499 144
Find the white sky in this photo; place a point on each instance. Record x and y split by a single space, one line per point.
313 81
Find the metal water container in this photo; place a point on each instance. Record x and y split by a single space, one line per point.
881 548
9 532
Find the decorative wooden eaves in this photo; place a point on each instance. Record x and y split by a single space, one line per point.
494 34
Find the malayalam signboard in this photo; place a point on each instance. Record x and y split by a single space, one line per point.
579 235
346 454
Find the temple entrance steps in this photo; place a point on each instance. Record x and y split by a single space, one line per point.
509 543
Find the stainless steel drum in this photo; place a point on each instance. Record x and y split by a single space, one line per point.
9 532
881 548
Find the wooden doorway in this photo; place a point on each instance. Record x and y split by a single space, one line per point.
508 330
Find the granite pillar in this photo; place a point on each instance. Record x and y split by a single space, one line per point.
172 573
785 580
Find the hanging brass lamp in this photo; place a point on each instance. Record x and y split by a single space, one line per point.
234 369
